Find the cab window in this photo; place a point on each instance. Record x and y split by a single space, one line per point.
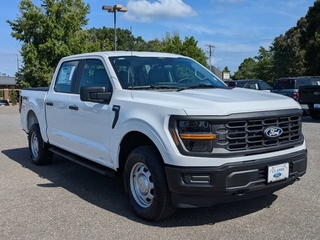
95 74
66 78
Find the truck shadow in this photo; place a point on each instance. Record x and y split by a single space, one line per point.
108 193
308 119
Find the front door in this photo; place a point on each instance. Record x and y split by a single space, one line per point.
91 120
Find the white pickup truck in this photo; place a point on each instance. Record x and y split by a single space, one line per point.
177 133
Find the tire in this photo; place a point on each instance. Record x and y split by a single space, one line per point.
146 184
39 150
315 114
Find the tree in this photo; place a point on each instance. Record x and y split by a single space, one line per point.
155 45
188 47
264 65
226 69
246 69
103 39
48 33
13 96
289 52
312 39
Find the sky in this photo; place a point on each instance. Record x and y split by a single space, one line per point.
234 28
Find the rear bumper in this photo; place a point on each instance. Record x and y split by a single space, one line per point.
206 186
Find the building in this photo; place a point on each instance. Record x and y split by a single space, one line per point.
216 71
6 84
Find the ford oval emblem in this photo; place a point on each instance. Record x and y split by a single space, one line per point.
316 93
273 132
276 175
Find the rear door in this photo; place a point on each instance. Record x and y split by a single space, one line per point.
58 113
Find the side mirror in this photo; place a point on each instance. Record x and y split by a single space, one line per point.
95 94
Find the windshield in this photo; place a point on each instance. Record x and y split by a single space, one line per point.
134 72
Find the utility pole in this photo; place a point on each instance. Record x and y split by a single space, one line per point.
17 55
210 54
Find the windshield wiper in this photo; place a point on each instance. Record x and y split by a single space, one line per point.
147 87
197 86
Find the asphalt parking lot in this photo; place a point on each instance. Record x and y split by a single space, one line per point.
67 201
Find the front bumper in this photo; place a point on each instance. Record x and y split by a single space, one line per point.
206 186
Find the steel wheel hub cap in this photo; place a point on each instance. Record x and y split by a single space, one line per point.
141 185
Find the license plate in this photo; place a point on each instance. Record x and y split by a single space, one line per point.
316 105
278 172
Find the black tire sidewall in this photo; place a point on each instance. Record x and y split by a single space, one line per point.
315 114
148 156
44 155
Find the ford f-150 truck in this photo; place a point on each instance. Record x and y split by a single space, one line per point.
179 136
310 95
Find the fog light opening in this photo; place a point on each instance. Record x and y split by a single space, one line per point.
196 178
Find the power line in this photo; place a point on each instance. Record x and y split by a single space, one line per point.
246 42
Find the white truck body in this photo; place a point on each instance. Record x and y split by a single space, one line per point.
101 131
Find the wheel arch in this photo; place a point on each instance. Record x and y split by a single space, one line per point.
131 141
31 119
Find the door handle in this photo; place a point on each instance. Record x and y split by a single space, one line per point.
73 107
49 103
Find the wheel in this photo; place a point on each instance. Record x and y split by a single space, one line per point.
315 114
146 184
39 150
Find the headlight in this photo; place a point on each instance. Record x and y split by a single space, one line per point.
195 136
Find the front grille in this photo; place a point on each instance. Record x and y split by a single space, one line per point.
242 134
239 135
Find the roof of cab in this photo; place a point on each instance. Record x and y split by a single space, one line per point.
123 53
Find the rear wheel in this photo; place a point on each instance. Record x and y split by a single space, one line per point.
315 114
39 150
146 184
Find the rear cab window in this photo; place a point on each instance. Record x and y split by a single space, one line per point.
65 78
284 84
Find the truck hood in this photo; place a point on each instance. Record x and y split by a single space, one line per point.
219 101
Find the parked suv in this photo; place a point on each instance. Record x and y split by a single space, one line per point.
290 86
250 83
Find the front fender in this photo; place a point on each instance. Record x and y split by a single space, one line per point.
158 133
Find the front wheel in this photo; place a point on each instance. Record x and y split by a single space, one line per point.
146 184
39 150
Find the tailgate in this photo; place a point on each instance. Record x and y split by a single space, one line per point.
309 94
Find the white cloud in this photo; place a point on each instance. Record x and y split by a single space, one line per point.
196 28
145 11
